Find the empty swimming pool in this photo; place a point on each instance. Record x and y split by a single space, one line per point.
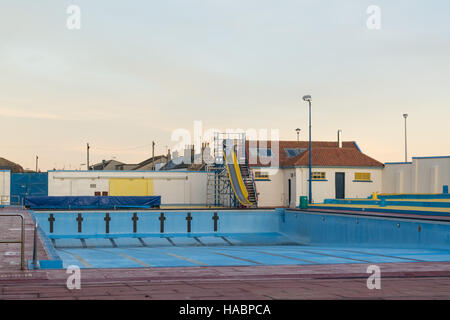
132 239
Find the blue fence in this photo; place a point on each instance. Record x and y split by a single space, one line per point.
28 184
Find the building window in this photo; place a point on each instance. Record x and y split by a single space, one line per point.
93 186
318 176
261 175
362 176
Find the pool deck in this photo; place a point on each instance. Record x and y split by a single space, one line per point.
412 280
398 281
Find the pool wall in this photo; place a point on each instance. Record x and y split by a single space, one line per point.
302 227
182 223
359 230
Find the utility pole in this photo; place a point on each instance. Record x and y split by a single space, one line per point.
87 164
153 155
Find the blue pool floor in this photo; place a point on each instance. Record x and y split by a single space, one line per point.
232 250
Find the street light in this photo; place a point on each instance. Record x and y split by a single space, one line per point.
308 99
298 134
405 115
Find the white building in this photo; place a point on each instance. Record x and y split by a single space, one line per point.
174 187
422 175
5 187
339 170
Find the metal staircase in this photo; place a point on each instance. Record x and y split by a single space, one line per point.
219 189
249 181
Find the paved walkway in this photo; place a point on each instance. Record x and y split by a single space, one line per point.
398 281
10 229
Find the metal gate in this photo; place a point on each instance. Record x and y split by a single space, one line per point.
28 184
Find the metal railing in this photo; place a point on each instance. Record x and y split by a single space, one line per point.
21 241
34 246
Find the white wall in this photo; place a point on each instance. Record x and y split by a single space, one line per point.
431 174
322 190
275 191
271 192
398 178
5 183
422 175
174 187
290 174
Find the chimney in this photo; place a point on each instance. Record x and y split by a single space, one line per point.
188 157
169 157
339 138
206 155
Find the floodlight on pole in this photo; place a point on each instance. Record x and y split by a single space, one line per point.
298 134
308 99
405 115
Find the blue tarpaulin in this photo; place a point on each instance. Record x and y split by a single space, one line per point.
89 202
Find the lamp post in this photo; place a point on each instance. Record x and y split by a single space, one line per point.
308 99
87 163
405 115
298 134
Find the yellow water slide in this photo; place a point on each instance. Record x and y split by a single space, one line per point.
235 176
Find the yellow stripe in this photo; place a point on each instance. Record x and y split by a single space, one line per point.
135 260
84 262
368 206
187 259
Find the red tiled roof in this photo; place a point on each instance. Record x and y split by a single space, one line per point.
345 157
324 153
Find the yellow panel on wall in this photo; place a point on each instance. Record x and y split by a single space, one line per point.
130 187
150 187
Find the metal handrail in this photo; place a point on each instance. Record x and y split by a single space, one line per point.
21 241
34 246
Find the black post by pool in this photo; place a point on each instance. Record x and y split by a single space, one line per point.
161 219
107 220
51 219
189 219
215 218
79 220
135 219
